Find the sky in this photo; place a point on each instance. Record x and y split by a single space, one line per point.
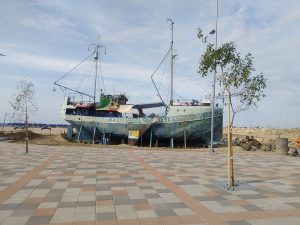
44 39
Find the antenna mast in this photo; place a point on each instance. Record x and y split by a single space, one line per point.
172 60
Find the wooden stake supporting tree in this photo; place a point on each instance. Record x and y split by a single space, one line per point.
230 182
242 89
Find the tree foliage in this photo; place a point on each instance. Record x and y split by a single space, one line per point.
23 101
236 75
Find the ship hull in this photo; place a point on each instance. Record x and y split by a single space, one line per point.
194 127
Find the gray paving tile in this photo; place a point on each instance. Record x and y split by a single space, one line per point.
211 198
240 222
8 206
86 203
67 204
106 216
294 204
161 206
39 220
22 212
177 205
16 220
154 195
139 201
28 206
165 212
252 207
256 196
104 197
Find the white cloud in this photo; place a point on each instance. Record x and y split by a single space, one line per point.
137 36
46 22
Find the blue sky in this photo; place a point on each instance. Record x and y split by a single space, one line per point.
44 39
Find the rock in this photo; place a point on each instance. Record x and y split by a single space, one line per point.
249 143
235 141
266 147
246 146
256 144
293 151
253 148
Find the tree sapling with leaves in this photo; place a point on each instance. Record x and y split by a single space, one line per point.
243 90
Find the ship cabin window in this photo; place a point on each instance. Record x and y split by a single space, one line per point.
69 111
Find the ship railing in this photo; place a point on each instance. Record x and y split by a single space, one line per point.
187 103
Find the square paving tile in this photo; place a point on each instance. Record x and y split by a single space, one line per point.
116 185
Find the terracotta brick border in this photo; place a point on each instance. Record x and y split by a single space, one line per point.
203 213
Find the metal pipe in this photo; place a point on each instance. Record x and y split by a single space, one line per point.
150 139
79 133
172 142
95 81
94 135
184 138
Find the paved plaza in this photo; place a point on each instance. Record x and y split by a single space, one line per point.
122 186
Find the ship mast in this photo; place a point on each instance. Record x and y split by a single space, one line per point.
172 60
96 54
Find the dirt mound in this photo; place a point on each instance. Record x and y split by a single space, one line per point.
19 136
35 138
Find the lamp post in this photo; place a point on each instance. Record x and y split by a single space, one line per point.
204 40
214 88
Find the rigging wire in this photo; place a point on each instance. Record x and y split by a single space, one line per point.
158 93
163 71
73 68
101 75
84 79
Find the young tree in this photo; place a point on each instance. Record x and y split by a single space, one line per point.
24 104
242 89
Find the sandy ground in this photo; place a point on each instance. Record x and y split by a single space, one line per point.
57 137
265 134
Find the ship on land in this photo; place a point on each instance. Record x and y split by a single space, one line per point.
113 120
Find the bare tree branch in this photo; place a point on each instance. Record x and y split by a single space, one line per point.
23 100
